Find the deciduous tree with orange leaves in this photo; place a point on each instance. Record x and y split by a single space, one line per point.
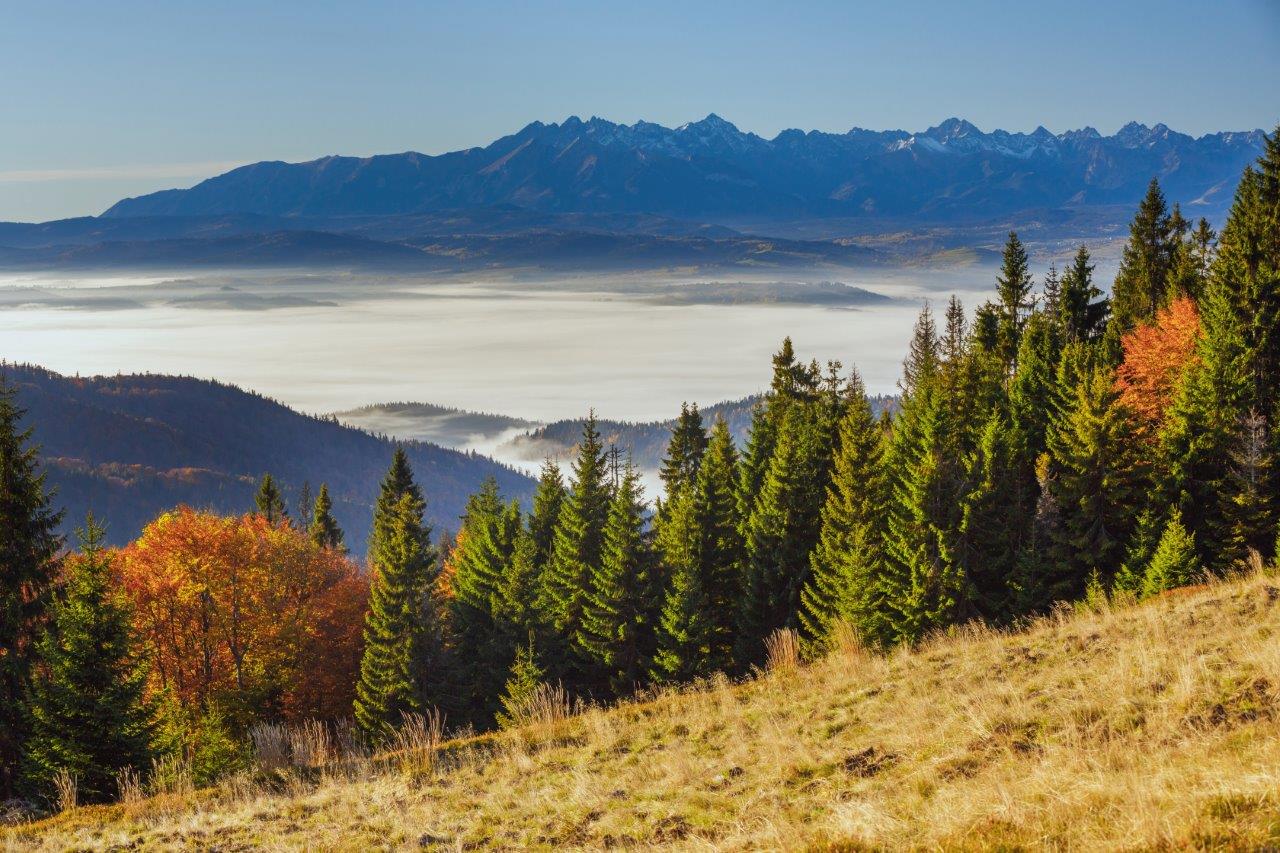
247 614
1156 355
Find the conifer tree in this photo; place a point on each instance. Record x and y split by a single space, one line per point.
1175 562
1013 289
1034 393
516 600
323 529
1083 312
844 578
29 546
306 502
922 361
548 500
486 545
791 383
524 680
781 532
1097 484
579 533
392 681
269 501
89 714
925 585
1234 375
1142 283
684 450
701 549
617 627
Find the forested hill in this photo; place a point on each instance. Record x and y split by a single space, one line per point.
646 441
130 447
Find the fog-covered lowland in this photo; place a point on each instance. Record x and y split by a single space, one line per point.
529 347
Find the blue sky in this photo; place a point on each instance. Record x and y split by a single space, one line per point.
103 100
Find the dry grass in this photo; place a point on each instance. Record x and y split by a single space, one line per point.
1147 727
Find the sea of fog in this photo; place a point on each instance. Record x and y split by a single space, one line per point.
540 350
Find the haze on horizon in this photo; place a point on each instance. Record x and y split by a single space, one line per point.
144 96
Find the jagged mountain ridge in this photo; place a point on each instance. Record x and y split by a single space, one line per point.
710 170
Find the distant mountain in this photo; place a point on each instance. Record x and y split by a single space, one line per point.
645 442
711 171
130 447
443 425
427 252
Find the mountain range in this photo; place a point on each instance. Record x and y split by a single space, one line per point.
711 171
599 195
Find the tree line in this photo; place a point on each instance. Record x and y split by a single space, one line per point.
1054 444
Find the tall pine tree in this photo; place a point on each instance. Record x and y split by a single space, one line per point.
1141 285
701 549
269 501
845 566
486 546
1013 290
323 529
399 621
616 634
89 713
579 538
29 546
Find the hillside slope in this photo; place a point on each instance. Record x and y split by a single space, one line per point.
131 447
1139 727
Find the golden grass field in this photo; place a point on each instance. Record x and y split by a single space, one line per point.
1141 727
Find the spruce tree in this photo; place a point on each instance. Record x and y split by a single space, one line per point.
524 679
548 500
486 544
1097 483
684 450
306 502
1082 311
89 713
792 383
701 551
392 681
617 628
1175 562
845 566
323 529
29 546
269 501
576 553
1013 290
1234 376
924 584
1142 283
516 598
782 531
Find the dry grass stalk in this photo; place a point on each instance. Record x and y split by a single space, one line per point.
417 742
129 786
782 651
66 786
310 744
270 746
170 776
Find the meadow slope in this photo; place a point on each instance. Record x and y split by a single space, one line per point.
1149 726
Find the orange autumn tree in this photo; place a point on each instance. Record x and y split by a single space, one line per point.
1156 355
247 614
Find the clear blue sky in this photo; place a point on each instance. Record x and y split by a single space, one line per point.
101 100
